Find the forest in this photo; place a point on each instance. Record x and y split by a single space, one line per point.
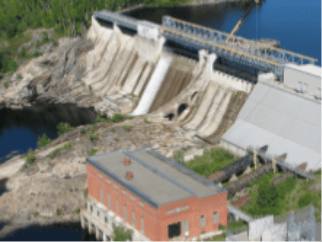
67 17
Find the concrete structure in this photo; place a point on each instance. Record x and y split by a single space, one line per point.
298 226
153 196
284 120
242 51
305 78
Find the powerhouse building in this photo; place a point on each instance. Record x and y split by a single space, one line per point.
153 196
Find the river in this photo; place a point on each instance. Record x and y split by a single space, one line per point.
295 23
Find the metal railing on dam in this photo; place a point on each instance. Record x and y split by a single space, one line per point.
260 56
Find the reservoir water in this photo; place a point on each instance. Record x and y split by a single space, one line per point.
295 23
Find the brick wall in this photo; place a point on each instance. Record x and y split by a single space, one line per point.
156 221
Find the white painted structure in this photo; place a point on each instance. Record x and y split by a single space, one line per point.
303 78
148 30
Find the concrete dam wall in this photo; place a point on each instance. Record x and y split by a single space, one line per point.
165 85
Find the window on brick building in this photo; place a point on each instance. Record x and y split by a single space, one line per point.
109 200
101 195
117 206
202 221
142 224
125 212
133 218
215 217
185 226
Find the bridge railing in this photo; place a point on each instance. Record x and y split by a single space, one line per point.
238 43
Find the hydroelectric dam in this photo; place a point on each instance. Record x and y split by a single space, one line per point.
167 73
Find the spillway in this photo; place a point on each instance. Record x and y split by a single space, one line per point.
153 86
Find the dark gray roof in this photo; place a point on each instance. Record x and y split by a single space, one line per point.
157 179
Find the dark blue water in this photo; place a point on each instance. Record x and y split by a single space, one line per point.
295 23
58 232
20 130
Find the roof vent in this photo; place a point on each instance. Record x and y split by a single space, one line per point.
129 175
127 161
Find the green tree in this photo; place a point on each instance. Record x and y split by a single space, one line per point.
120 234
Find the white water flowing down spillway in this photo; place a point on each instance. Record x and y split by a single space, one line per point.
153 86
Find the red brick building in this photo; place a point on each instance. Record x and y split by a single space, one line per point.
155 197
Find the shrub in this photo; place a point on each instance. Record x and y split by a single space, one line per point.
178 156
93 137
120 234
77 210
133 95
37 53
30 157
36 214
6 84
305 199
221 237
146 121
45 38
54 41
19 76
117 117
43 141
100 119
127 128
85 193
59 212
92 129
63 128
83 131
92 152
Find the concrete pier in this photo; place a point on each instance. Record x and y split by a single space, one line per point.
101 221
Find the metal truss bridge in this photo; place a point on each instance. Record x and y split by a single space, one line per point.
259 56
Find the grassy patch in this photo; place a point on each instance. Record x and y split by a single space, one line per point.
18 40
92 152
43 141
77 210
93 137
178 156
127 128
59 212
211 161
133 95
85 193
67 146
221 237
35 214
92 129
19 76
6 84
270 198
146 121
83 131
64 128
